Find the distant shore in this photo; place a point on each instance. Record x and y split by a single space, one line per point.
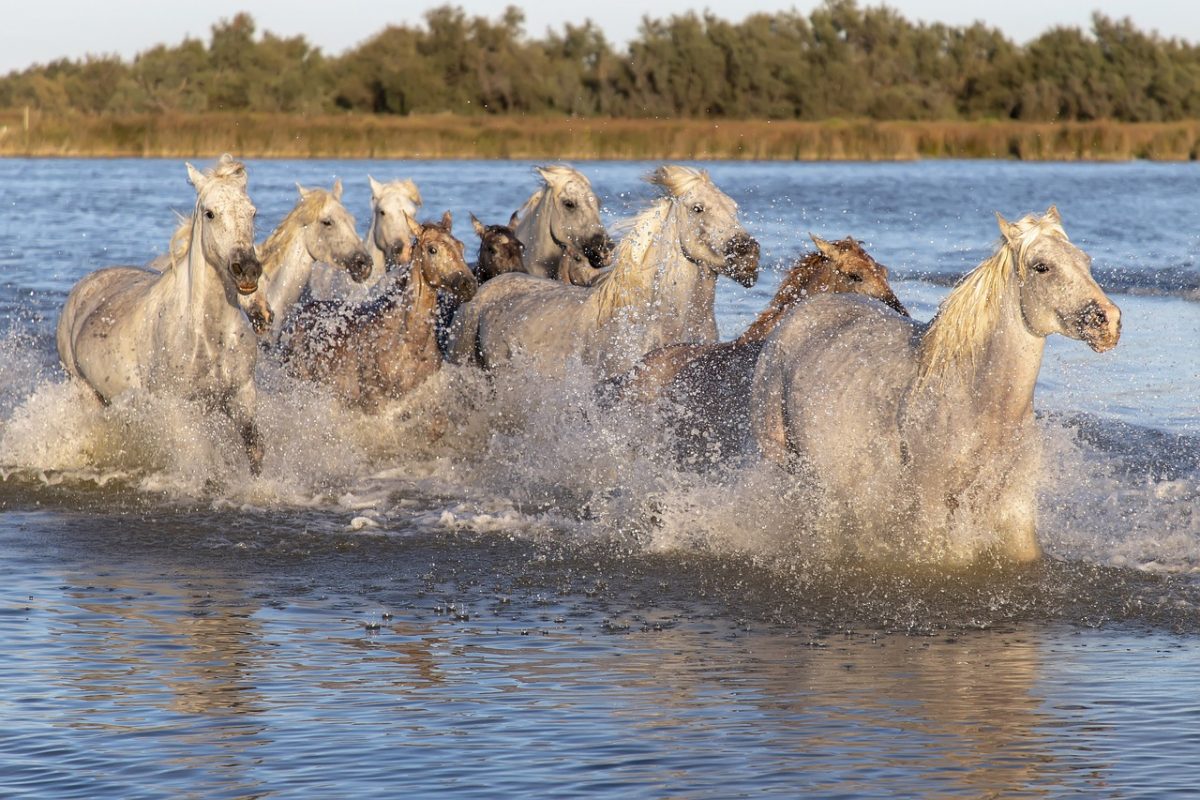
176 135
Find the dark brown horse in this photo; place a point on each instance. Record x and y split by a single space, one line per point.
384 348
500 250
707 386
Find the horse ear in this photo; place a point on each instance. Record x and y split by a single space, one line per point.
447 221
1007 229
512 221
337 190
413 191
303 192
195 176
1053 215
376 186
414 227
827 248
478 226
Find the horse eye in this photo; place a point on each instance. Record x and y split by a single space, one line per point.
854 277
698 209
432 250
492 250
209 214
327 222
569 204
382 213
1040 267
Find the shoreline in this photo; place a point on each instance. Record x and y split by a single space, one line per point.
449 137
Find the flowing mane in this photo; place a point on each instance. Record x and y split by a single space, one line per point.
305 213
631 278
971 311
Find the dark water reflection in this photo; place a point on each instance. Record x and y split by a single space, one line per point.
222 660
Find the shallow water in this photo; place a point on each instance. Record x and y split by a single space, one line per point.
539 603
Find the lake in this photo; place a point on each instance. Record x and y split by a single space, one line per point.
537 603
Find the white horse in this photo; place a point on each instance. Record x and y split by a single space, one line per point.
660 290
317 229
923 434
563 212
179 331
393 207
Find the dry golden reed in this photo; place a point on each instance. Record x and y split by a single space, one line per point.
254 135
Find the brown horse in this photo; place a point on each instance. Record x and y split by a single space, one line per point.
500 250
707 386
384 348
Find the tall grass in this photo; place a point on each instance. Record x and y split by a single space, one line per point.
449 136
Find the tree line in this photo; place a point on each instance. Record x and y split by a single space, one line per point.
842 60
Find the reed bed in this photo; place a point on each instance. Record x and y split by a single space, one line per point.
251 135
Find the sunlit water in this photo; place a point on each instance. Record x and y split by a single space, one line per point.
539 601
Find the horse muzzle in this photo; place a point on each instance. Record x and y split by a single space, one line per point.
598 250
1099 324
741 259
358 266
461 286
245 269
890 300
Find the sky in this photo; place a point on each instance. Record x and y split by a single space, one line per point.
37 31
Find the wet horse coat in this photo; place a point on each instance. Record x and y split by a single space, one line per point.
128 330
386 347
660 290
707 386
918 440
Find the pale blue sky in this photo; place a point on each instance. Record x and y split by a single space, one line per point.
41 30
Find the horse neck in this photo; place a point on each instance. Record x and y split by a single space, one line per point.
198 289
670 294
288 267
416 307
378 261
796 285
533 230
998 383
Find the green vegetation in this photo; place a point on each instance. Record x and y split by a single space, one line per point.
687 86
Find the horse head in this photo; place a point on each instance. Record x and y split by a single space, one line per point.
573 213
226 219
438 259
330 232
1057 291
393 205
574 268
845 266
710 234
500 250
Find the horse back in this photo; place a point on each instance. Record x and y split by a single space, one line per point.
95 306
831 378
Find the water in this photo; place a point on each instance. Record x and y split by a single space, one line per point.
538 603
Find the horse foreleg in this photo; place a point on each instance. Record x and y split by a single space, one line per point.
240 410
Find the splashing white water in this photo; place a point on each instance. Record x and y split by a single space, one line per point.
514 455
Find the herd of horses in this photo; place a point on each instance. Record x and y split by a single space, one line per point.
897 423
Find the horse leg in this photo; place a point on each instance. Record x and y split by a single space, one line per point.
239 408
